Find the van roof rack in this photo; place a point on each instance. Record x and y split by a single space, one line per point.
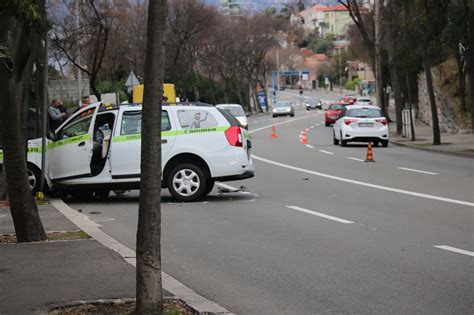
174 104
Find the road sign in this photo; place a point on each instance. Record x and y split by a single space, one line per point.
131 81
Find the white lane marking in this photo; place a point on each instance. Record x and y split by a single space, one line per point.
322 215
456 250
417 171
283 122
325 152
318 124
310 146
312 127
351 181
355 159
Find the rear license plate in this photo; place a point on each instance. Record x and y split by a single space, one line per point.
366 124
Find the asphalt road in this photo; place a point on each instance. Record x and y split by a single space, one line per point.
319 230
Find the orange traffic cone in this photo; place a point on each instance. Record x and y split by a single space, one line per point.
274 135
370 156
304 137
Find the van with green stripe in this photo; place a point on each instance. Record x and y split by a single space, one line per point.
98 149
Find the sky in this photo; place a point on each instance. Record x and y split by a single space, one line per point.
262 4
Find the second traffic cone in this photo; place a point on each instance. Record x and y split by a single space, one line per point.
370 156
274 135
304 137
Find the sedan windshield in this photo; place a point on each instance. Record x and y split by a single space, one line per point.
364 113
282 104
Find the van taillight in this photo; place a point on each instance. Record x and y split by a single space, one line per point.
234 136
383 121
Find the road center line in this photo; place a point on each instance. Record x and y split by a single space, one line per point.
417 171
355 159
355 182
325 152
322 215
310 146
455 250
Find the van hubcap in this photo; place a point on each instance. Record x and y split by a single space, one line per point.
186 182
31 179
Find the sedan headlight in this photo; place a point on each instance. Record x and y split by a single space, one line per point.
288 109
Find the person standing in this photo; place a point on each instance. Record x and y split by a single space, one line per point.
85 101
56 117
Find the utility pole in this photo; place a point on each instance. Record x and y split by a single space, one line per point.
340 69
44 114
78 60
378 58
278 69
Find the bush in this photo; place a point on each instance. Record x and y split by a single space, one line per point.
350 85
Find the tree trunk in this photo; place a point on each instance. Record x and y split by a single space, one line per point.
378 57
470 58
431 94
462 81
15 70
3 185
410 104
470 78
394 73
149 290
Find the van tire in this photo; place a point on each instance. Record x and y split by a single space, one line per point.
187 182
34 178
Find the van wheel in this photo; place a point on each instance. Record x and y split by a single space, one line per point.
384 143
187 182
102 194
34 175
210 186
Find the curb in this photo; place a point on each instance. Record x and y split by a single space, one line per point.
179 290
450 153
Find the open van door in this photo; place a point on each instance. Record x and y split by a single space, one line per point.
69 154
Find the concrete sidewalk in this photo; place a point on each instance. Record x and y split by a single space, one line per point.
460 144
35 275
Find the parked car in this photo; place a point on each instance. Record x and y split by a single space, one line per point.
283 108
98 149
313 103
237 111
361 123
331 114
350 98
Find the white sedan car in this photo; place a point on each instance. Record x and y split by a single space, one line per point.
361 123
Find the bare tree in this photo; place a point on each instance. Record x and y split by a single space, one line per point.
21 26
90 35
149 290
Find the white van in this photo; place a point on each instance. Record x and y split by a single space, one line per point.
98 149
